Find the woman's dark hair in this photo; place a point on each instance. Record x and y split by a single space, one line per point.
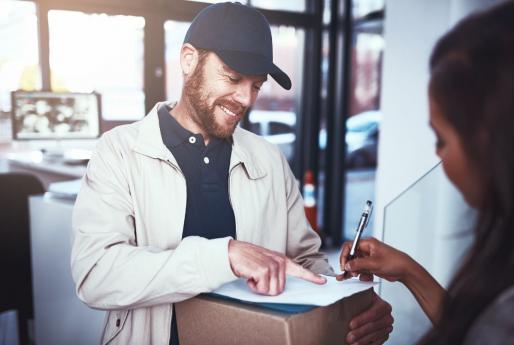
472 83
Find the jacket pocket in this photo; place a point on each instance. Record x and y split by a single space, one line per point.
114 324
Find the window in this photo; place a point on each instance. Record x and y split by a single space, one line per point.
366 71
99 52
276 106
284 5
19 57
174 36
362 8
363 124
245 2
354 178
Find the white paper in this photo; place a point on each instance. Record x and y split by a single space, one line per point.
298 291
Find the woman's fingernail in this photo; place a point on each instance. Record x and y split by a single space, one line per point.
347 267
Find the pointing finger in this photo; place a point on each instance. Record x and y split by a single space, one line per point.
298 271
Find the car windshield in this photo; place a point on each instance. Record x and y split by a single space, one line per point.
363 122
361 127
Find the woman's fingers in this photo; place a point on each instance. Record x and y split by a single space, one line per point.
366 277
366 265
364 249
375 338
345 251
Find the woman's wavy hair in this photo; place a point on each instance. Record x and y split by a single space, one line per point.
472 82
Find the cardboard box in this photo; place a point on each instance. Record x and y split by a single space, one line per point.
213 321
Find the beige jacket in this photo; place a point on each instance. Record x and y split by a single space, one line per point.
128 255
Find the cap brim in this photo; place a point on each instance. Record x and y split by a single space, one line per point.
252 64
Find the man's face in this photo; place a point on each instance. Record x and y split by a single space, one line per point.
218 97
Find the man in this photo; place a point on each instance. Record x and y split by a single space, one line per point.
164 198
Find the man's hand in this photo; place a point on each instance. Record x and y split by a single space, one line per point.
373 325
265 270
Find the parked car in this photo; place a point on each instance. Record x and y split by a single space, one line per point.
362 131
278 127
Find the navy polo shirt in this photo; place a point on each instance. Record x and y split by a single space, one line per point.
209 213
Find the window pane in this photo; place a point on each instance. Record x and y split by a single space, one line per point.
103 53
19 57
323 118
364 7
286 5
363 126
217 1
174 36
366 72
276 105
327 6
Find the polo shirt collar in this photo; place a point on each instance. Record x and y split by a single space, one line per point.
173 134
149 143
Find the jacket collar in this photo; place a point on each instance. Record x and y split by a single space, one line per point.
149 143
241 154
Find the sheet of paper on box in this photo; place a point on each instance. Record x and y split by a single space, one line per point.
297 291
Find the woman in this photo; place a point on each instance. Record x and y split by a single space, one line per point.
471 95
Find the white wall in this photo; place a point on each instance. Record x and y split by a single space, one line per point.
461 8
406 149
424 223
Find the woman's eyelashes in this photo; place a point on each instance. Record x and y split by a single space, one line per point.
439 143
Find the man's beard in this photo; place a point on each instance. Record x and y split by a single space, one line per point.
196 92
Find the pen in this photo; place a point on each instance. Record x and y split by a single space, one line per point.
363 222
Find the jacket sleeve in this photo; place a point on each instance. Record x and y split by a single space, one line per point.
109 269
303 243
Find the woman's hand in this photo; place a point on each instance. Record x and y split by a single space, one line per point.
374 258
377 258
372 326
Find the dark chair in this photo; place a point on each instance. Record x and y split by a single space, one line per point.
16 284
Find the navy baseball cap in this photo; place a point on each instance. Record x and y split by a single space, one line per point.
240 36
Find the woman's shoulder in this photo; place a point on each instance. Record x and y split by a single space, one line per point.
495 325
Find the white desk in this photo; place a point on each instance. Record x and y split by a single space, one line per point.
59 316
47 171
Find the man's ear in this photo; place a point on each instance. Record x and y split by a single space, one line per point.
188 58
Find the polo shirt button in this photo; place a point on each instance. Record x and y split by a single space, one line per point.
192 139
206 160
